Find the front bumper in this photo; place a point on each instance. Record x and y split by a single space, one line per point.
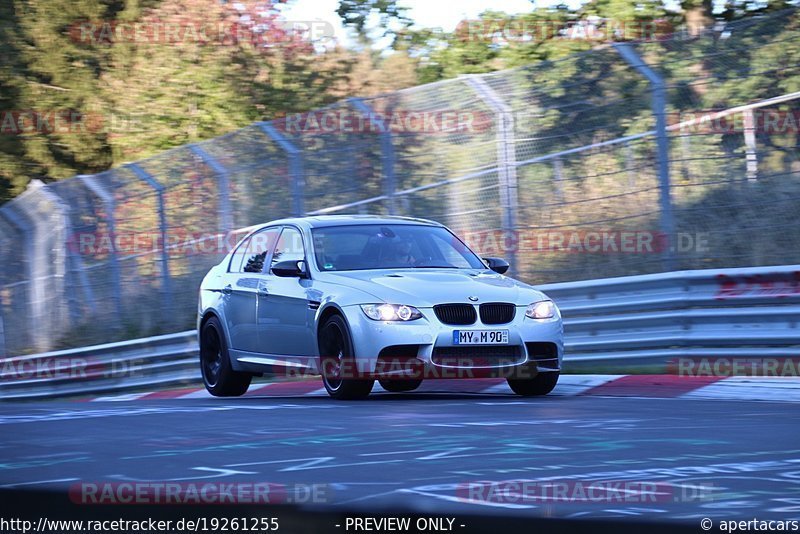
437 356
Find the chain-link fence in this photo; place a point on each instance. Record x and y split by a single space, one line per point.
559 167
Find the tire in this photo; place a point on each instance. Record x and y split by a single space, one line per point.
219 377
541 384
400 385
336 350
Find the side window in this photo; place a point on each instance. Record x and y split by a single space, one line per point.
238 256
250 255
257 250
289 247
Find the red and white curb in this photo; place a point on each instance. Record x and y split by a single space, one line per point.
776 389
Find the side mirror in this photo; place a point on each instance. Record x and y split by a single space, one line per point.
290 268
498 265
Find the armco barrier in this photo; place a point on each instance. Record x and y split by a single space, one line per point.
128 365
645 319
752 312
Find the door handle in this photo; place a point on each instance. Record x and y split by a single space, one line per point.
262 290
227 290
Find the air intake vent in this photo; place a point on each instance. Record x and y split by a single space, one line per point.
497 313
482 356
456 313
544 354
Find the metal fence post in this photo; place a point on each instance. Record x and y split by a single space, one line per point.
750 144
659 107
110 206
26 229
2 333
166 284
296 172
387 151
506 158
73 263
558 175
223 184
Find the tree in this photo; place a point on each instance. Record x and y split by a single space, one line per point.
355 13
53 81
219 71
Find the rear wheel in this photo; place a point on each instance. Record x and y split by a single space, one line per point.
338 360
401 385
219 377
541 384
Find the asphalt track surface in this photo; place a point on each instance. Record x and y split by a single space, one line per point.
715 459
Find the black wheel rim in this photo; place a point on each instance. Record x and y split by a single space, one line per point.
333 349
211 355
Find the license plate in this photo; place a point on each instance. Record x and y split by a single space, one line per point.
480 337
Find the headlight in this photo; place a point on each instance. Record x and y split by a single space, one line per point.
391 312
541 310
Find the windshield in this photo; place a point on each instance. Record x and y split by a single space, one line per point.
390 246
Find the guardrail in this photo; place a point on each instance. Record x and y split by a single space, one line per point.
648 319
751 312
128 365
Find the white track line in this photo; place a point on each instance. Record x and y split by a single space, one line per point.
38 482
783 389
570 385
121 398
199 394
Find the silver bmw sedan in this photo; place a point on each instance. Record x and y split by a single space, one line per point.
363 298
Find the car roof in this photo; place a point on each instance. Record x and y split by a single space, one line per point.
322 221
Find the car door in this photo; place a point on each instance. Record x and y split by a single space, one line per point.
241 289
284 316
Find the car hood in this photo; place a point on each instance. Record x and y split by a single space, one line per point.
424 288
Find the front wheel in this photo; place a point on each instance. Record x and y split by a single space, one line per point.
541 384
338 360
219 377
400 385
